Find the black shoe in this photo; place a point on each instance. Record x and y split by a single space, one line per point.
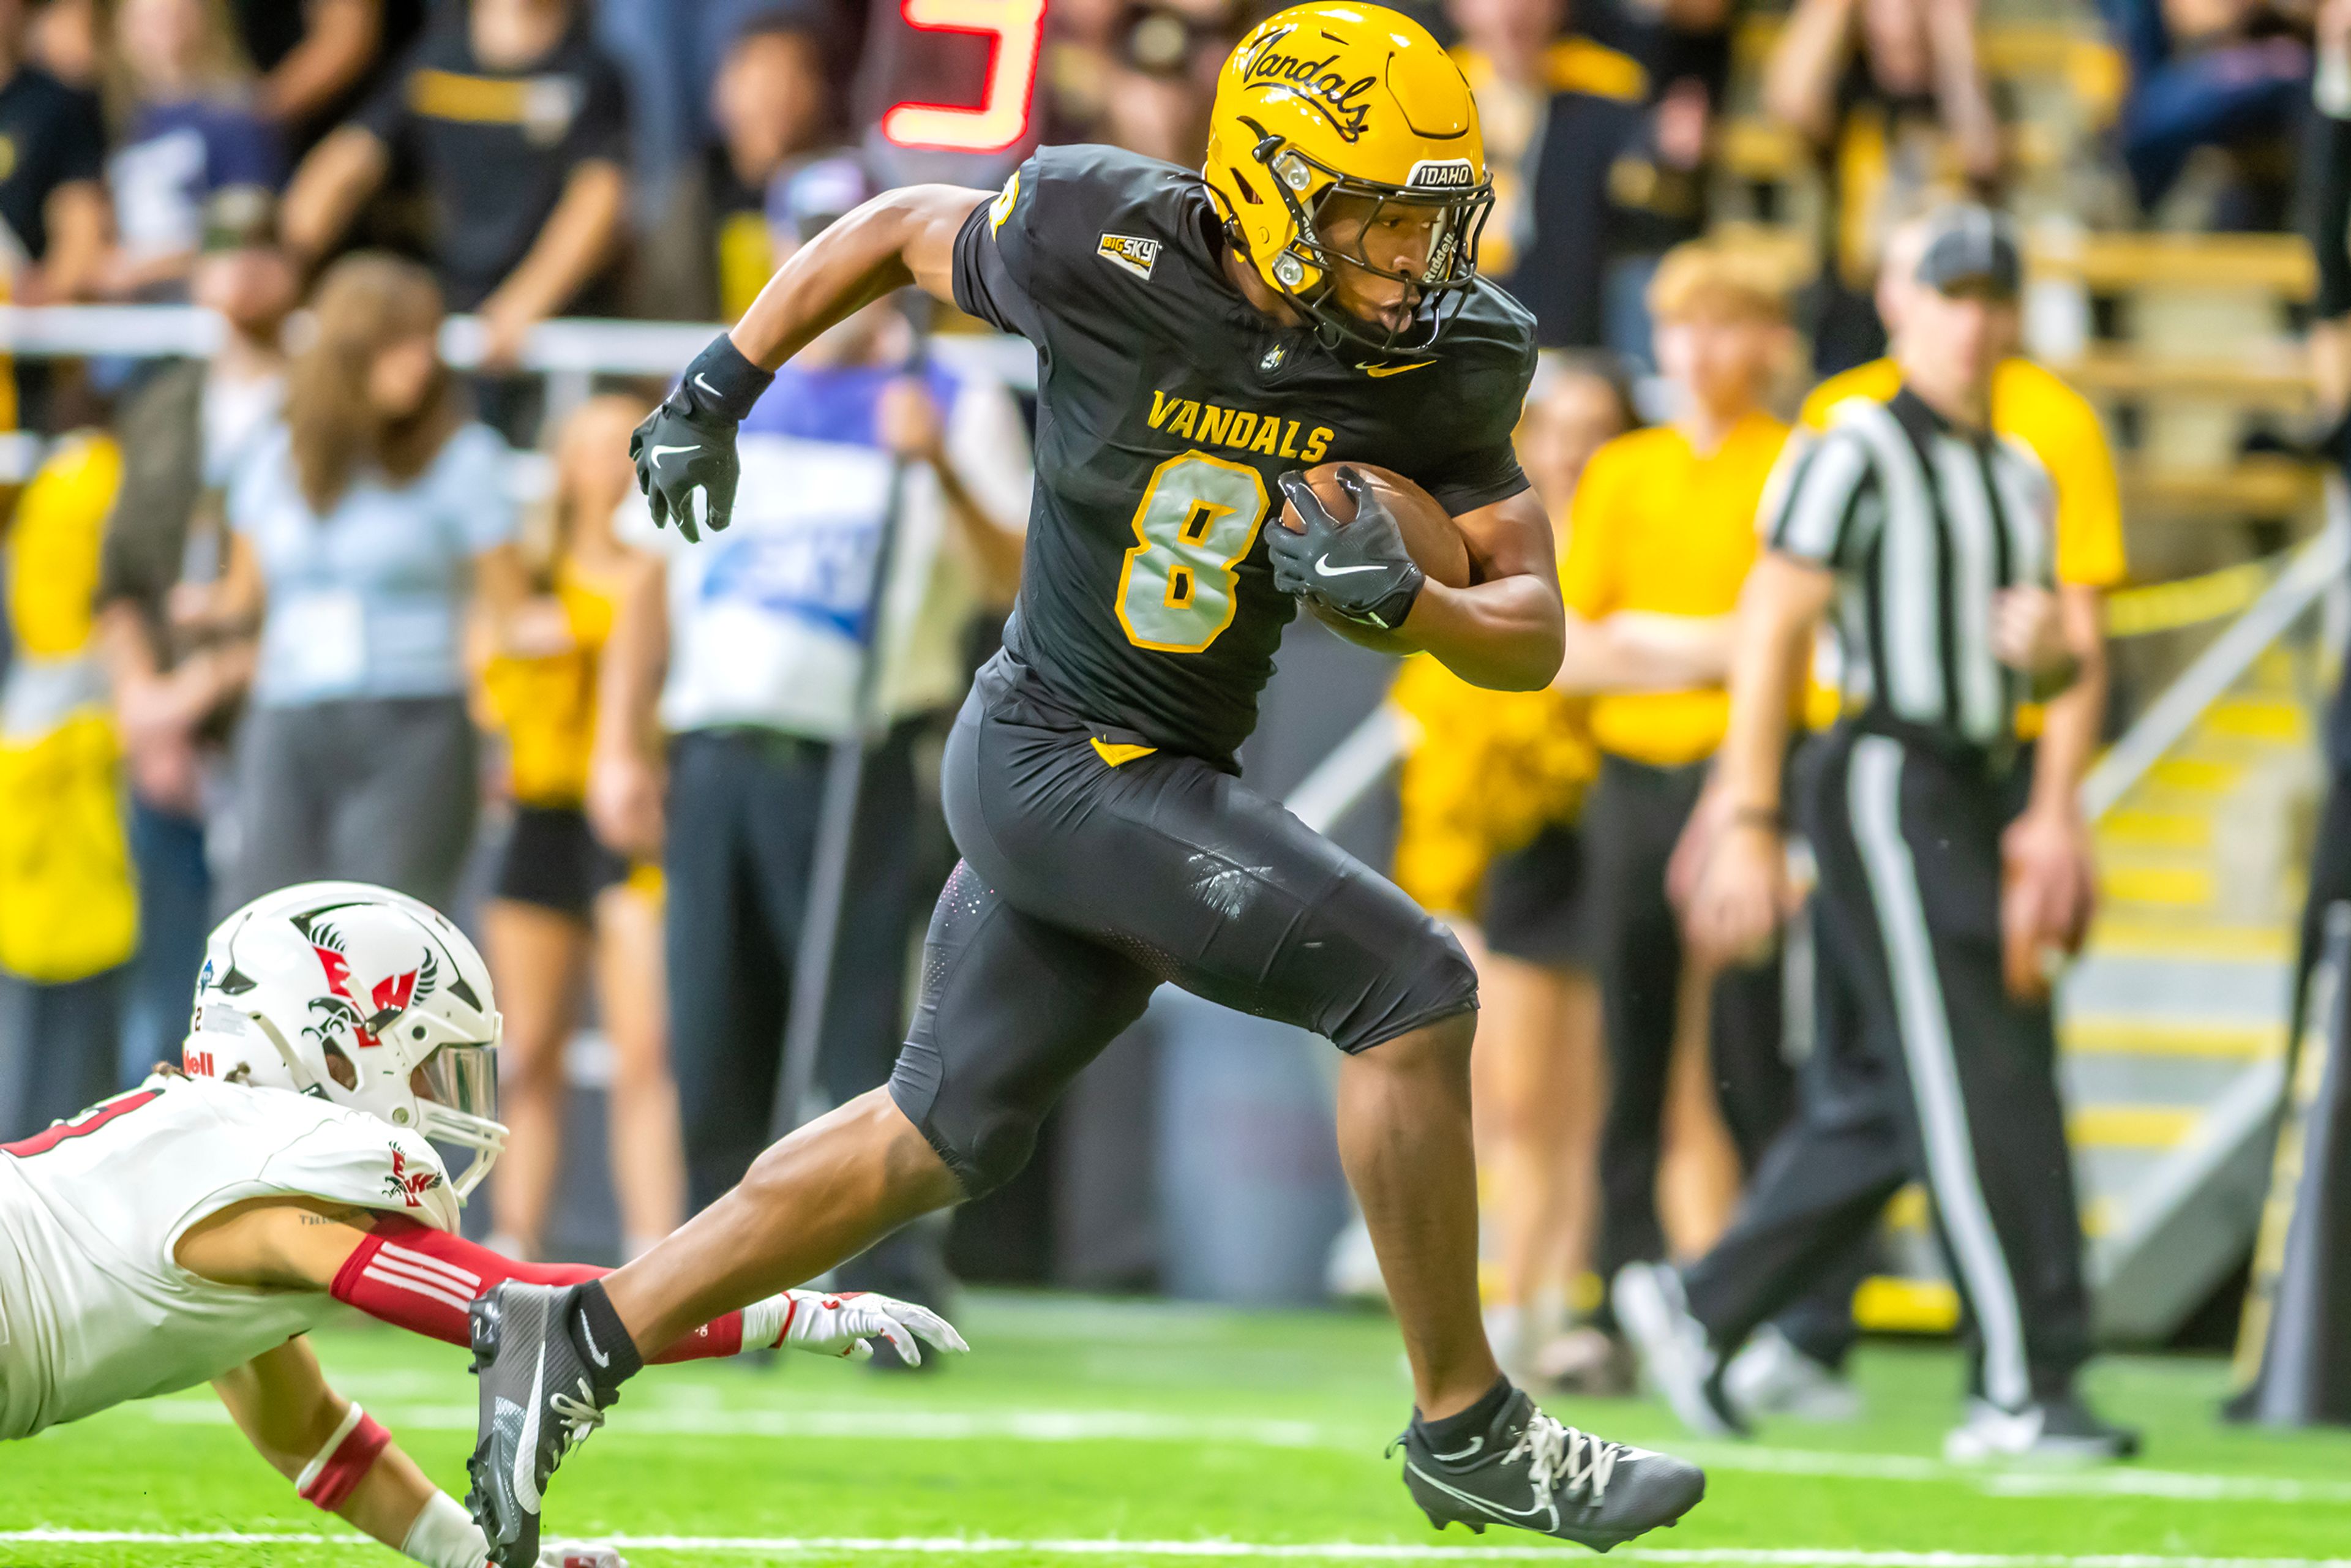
540 1398
1530 1471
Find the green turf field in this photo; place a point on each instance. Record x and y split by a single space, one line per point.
1084 1432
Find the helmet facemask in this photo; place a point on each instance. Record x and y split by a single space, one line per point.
1306 269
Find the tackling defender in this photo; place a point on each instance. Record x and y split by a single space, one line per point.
1201 339
197 1227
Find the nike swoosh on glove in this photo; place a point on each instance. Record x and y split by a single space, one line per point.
688 443
1360 569
683 447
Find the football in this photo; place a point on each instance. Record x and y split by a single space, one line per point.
1430 532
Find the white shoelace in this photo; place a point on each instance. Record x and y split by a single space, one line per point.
1556 1451
580 1416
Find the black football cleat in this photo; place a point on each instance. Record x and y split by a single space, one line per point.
538 1400
1532 1471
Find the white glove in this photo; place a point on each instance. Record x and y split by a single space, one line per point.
580 1555
843 1323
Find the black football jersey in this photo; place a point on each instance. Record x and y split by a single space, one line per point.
1167 405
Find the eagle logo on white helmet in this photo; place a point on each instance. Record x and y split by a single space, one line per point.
360 996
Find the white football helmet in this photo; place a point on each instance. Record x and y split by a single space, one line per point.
360 996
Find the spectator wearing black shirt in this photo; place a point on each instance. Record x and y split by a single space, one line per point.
775 105
1589 175
1891 94
52 160
517 124
317 59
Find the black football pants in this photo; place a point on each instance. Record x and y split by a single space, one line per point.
1939 1076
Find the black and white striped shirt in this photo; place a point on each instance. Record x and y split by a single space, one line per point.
1922 522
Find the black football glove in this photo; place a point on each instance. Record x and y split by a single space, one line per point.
1359 569
688 443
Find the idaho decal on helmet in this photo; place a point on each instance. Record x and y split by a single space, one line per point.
1328 120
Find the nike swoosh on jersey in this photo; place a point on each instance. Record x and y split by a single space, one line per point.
1323 568
524 1480
1375 371
662 452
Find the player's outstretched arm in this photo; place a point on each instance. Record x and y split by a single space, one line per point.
1506 630
688 444
422 1280
342 1461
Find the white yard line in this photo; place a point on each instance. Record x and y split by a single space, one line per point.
1317 1551
1113 1425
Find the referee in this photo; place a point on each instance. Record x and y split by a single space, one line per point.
1934 540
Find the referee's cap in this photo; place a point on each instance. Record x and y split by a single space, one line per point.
1970 248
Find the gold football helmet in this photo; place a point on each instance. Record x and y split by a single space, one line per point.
1345 100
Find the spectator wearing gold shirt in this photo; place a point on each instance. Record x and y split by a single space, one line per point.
1660 539
563 902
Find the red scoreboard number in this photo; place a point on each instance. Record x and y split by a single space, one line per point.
1014 28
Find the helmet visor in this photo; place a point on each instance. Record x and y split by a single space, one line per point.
462 1078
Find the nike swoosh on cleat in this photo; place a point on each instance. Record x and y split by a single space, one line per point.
1506 1515
526 1484
704 382
662 452
1375 371
1476 1445
588 1333
1323 568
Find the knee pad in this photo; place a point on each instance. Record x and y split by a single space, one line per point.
983 1135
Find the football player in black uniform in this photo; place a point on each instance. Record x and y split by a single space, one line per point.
1201 339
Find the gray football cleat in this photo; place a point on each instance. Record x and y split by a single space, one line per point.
538 1400
1533 1472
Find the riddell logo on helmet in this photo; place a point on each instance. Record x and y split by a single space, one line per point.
1332 93
1443 175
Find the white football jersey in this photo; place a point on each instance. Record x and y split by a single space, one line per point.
93 1308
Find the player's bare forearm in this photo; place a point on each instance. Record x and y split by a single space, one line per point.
903 236
2072 718
1634 651
1507 631
281 1402
1781 603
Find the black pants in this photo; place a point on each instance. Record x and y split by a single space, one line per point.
1088 879
1635 816
1940 1077
743 811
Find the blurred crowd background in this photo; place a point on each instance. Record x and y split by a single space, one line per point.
317 603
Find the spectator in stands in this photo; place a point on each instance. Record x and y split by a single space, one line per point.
1659 541
69 916
189 129
2211 73
318 58
1490 796
775 108
1891 96
1590 180
744 649
561 900
177 678
52 200
366 520
1162 78
517 122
